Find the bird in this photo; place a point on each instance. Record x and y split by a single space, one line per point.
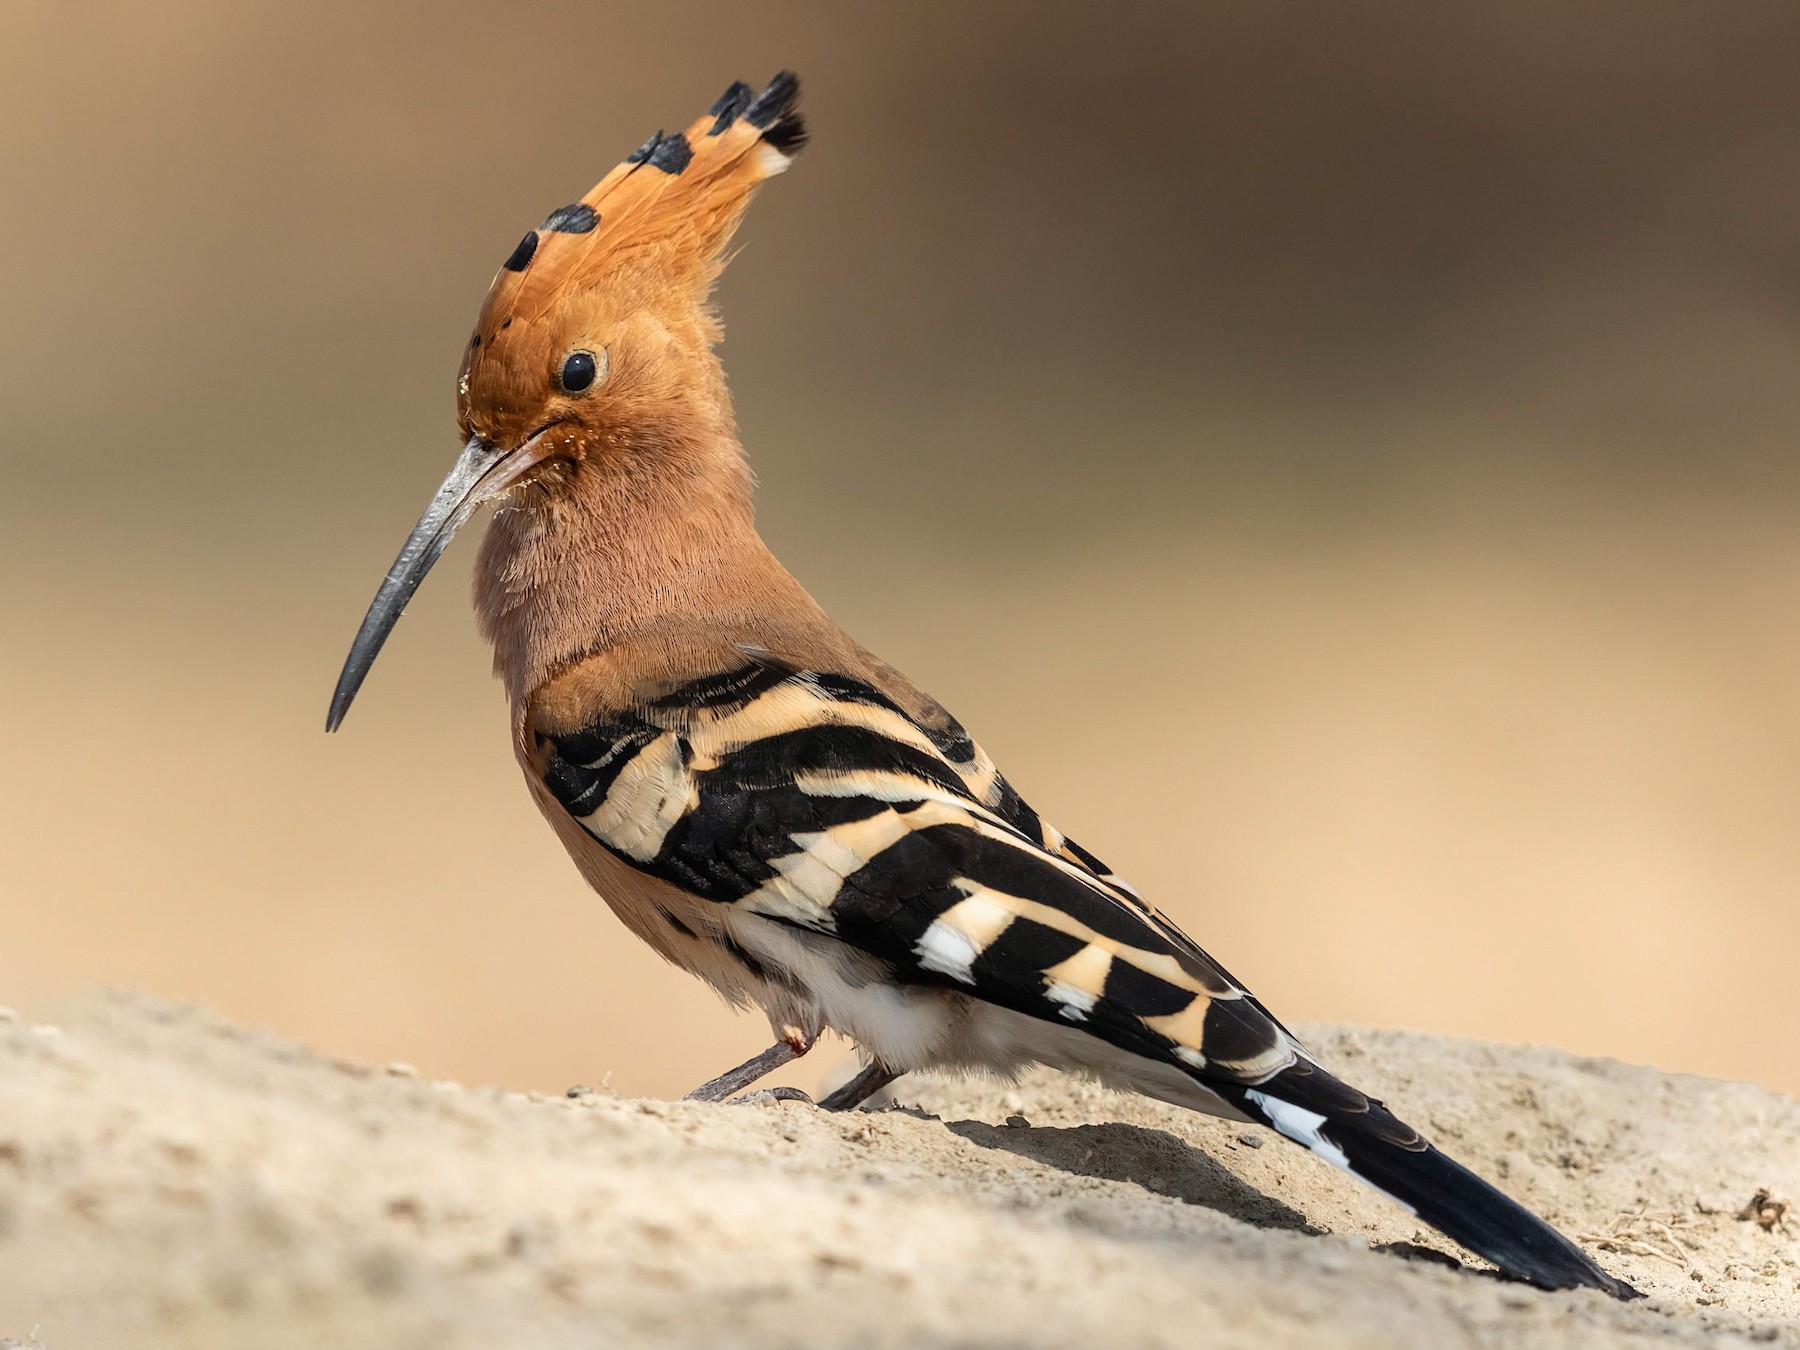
761 800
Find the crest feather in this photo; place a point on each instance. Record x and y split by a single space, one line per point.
676 199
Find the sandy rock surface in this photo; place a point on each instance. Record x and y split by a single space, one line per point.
170 1179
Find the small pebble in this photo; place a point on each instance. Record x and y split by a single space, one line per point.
401 1069
1016 1122
1249 1140
579 1090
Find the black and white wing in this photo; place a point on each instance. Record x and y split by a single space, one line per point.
815 800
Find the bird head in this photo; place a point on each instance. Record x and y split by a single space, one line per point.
594 347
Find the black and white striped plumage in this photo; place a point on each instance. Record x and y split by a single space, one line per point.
875 874
805 830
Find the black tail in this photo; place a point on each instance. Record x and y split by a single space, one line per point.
1360 1135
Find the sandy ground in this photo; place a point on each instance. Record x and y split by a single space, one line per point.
170 1179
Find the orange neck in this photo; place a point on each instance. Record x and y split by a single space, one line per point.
646 541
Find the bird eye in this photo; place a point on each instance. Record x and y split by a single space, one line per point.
578 371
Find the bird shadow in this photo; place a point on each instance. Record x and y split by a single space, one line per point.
1153 1159
1166 1165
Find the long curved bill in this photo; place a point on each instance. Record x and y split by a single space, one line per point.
482 472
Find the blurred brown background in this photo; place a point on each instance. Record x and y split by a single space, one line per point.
1339 458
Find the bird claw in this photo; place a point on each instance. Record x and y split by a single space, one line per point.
847 1098
774 1094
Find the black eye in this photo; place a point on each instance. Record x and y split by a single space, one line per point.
578 371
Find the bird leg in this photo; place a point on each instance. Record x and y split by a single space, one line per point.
859 1089
784 1051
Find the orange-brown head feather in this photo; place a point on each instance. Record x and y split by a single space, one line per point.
593 406
625 276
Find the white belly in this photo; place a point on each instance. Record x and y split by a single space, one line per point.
911 1027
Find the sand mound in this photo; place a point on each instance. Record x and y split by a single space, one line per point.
167 1178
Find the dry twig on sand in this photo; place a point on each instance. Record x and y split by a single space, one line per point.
1639 1232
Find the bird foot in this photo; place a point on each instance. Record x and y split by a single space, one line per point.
784 1051
859 1089
774 1094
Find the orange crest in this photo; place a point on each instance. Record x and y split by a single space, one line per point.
650 236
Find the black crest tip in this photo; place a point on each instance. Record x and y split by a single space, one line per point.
730 106
789 135
521 256
672 154
576 218
644 151
774 103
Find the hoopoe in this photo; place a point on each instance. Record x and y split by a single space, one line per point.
764 802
